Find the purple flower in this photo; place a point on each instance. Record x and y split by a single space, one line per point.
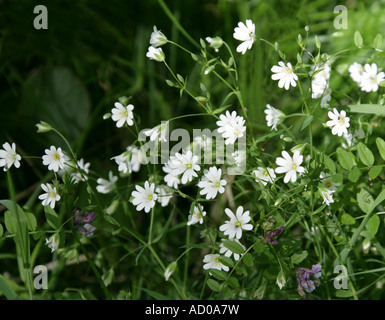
303 279
84 217
269 234
86 229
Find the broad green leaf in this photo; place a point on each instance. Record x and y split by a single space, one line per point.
366 156
365 201
297 258
329 163
233 282
377 42
345 158
214 285
381 147
259 246
354 175
347 219
358 41
233 246
344 294
10 222
31 221
226 261
218 274
367 108
248 259
373 224
375 171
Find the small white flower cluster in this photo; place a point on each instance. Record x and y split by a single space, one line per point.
366 76
231 126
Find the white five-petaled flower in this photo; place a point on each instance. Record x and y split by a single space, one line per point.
212 262
327 195
339 122
164 195
285 75
50 196
238 222
156 54
157 38
290 166
356 70
144 198
370 78
9 157
245 33
129 161
106 186
273 116
197 215
158 133
327 181
264 175
82 171
53 242
227 252
231 126
185 164
54 159
122 114
211 183
320 83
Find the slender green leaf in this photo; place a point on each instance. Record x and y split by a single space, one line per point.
297 258
367 108
7 290
381 147
218 274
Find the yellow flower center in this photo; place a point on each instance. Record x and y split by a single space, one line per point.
238 224
218 184
328 183
149 197
188 166
56 157
294 166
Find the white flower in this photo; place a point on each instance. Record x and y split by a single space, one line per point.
157 38
185 164
158 133
54 159
290 166
122 114
238 222
231 126
239 157
320 83
339 122
370 79
356 70
197 215
9 157
328 182
170 270
128 161
327 195
50 196
264 175
245 33
82 171
53 242
106 186
273 116
212 262
281 281
144 198
285 75
156 54
211 183
227 252
172 177
164 195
